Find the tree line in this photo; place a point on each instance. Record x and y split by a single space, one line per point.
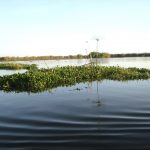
79 56
131 55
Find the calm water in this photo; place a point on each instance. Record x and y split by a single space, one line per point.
140 62
101 115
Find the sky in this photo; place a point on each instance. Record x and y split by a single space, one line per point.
62 27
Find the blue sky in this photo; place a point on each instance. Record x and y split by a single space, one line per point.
61 27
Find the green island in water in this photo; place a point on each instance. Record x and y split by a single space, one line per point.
38 80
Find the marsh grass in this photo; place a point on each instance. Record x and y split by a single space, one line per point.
43 79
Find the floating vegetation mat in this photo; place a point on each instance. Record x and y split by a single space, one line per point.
37 80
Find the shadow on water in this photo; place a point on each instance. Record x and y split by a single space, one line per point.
103 115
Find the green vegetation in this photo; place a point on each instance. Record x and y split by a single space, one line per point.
79 56
42 58
13 66
131 55
99 55
44 79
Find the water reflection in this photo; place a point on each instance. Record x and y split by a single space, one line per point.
94 88
98 102
64 119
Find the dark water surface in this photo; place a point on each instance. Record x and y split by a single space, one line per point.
108 115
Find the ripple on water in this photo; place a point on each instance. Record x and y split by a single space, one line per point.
66 119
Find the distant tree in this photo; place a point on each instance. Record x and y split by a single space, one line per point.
99 55
79 56
94 54
105 55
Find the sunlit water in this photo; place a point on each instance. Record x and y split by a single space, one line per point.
9 72
139 62
99 115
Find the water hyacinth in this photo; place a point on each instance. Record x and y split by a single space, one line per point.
38 80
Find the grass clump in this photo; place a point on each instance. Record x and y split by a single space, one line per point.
43 79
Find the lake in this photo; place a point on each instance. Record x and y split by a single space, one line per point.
101 115
140 62
104 115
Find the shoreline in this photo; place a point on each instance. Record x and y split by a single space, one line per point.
70 57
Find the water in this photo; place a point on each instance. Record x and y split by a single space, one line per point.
101 115
124 62
139 62
9 72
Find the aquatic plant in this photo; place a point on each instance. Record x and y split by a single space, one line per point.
17 66
43 79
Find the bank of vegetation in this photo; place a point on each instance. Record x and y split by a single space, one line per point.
44 79
79 56
31 58
131 55
17 66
